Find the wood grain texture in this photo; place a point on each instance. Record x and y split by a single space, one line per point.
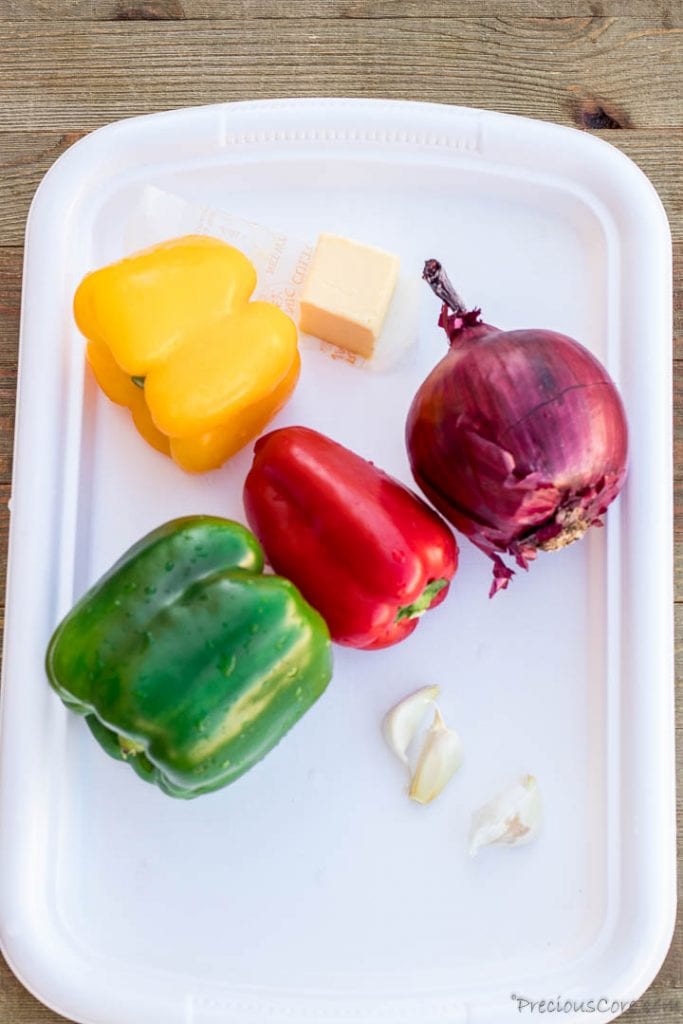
613 66
24 159
10 300
59 75
664 12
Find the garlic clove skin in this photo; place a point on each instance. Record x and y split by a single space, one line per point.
403 720
512 818
440 758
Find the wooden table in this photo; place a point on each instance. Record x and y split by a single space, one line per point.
612 67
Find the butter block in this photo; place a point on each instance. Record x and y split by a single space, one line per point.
347 292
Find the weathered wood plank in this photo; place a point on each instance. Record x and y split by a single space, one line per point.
659 11
656 1007
24 159
59 75
10 298
10 301
678 298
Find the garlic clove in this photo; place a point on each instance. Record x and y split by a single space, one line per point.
512 818
439 760
403 720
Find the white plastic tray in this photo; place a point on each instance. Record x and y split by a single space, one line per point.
313 890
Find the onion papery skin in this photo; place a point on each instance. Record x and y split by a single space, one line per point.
519 438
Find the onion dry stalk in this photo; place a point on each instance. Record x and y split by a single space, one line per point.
519 438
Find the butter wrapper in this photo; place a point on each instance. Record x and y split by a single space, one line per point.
281 261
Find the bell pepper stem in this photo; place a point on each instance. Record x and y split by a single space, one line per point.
419 607
129 747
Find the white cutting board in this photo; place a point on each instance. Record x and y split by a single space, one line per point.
313 890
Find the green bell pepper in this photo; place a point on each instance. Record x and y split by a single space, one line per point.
186 660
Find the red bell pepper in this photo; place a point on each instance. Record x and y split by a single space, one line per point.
364 550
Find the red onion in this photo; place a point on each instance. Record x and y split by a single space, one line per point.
518 438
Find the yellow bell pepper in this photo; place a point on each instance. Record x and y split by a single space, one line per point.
173 336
